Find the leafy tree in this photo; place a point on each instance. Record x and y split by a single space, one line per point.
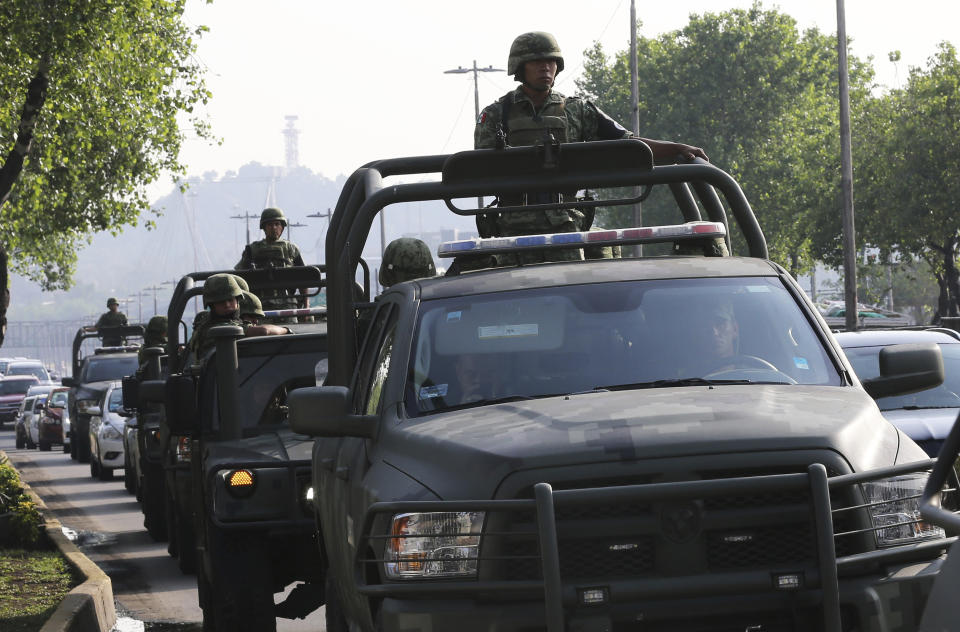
761 98
908 178
90 92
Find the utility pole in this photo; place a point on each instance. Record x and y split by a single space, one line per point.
246 216
459 70
635 109
290 227
154 289
327 216
846 178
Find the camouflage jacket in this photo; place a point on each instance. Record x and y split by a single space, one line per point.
200 341
112 319
269 254
568 119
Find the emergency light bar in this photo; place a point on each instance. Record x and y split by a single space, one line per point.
611 237
302 311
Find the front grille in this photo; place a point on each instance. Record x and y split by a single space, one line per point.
736 532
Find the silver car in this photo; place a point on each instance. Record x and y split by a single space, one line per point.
926 416
106 433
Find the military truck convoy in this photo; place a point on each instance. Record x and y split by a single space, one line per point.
661 443
669 442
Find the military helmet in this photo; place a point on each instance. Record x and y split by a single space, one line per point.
531 46
404 259
250 305
220 287
272 214
156 328
241 282
112 301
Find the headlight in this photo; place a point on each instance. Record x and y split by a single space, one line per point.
895 510
109 432
183 450
431 545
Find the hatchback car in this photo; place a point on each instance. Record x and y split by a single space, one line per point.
40 392
926 416
12 392
54 423
22 428
106 434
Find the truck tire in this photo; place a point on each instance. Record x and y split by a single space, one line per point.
94 470
21 444
83 449
73 448
129 482
186 545
105 473
335 620
30 444
240 593
66 446
153 493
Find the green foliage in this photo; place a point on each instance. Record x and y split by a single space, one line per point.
907 180
761 98
120 72
19 518
32 585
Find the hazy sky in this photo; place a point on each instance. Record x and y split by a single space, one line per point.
366 78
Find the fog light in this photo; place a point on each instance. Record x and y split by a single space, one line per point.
593 596
240 483
789 581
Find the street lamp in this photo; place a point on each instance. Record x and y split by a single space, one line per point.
246 216
459 70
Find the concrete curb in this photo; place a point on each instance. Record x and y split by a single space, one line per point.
88 607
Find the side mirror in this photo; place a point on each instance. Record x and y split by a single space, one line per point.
180 405
154 391
907 369
93 411
68 381
131 388
324 411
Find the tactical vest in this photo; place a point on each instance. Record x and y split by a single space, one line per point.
267 254
522 130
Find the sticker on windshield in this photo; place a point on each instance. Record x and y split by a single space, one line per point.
758 288
508 331
429 392
453 317
801 363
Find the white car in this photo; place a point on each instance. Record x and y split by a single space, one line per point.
106 433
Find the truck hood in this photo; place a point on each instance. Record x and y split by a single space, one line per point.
634 425
280 445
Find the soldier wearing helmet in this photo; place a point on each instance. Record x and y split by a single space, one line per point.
533 112
221 296
112 318
251 309
404 259
273 252
155 335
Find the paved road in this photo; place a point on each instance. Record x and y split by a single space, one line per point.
147 584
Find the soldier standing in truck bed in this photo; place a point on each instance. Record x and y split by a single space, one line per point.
531 112
273 252
113 317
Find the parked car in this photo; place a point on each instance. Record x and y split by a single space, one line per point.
40 392
925 416
53 424
28 367
106 433
5 361
12 392
21 428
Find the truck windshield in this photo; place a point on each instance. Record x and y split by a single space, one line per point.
617 336
110 368
15 387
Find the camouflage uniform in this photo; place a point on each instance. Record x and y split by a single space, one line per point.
276 253
567 119
155 335
112 319
217 288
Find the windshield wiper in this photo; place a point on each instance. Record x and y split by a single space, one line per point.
684 381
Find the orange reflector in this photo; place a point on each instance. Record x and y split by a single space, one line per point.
240 478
